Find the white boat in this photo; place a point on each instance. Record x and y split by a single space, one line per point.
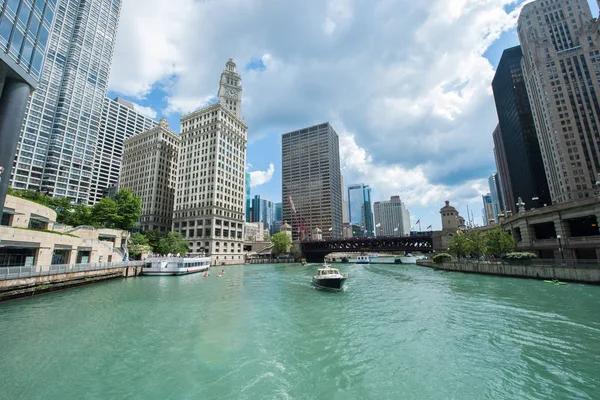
329 278
363 259
175 265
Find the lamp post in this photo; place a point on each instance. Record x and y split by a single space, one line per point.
535 201
560 248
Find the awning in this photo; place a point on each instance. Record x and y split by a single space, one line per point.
63 247
18 244
9 211
39 218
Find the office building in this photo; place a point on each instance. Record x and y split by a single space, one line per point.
24 32
278 219
60 130
359 208
488 209
344 203
520 151
263 210
254 232
311 177
119 121
392 216
496 193
561 50
209 202
248 208
149 170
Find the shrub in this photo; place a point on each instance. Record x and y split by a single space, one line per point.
443 257
520 256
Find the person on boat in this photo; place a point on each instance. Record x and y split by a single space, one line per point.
555 280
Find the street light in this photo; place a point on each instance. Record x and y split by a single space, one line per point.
562 255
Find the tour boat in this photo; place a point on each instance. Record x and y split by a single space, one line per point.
363 259
175 265
329 278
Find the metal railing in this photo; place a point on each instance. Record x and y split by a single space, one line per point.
539 262
45 270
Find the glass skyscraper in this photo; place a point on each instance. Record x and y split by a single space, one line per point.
24 32
263 210
360 211
60 131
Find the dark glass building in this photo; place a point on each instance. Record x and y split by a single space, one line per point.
524 169
24 32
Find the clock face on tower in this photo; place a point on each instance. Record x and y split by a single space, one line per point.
232 93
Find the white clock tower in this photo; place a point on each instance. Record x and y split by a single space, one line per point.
230 89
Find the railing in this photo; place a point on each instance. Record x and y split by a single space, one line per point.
39 270
539 262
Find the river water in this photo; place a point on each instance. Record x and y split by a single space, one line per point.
263 332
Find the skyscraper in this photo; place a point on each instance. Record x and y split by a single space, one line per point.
488 208
263 210
344 202
359 208
119 121
392 216
518 146
496 193
149 170
24 31
211 181
311 176
248 199
60 131
278 219
561 50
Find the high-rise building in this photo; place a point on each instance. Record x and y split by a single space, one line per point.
392 216
210 195
247 211
149 170
359 208
561 49
488 209
496 193
119 121
60 131
263 210
278 219
311 176
24 32
519 149
344 203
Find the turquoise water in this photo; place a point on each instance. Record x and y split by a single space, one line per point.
263 332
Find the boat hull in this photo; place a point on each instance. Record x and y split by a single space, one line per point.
331 284
362 262
174 271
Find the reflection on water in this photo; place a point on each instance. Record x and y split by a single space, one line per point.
263 331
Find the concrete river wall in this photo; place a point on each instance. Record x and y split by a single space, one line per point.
571 273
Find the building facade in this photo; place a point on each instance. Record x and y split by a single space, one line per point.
60 130
391 217
520 145
248 205
488 209
149 170
561 48
496 193
24 33
119 121
263 210
360 211
311 177
210 196
503 171
344 202
254 232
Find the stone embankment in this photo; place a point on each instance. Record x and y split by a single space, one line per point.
568 273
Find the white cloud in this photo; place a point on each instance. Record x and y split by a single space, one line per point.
407 78
258 178
147 111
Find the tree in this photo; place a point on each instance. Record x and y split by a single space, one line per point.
81 214
173 243
477 243
281 242
129 209
63 208
104 212
499 242
154 237
459 245
137 244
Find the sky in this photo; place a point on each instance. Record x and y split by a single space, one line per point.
406 84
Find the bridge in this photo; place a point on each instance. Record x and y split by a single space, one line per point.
316 250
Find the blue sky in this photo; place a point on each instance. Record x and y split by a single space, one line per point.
405 84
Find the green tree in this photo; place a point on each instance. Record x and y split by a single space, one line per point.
154 237
137 244
281 242
81 214
477 243
129 209
173 243
499 242
459 245
104 212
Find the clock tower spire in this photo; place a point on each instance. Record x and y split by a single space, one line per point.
230 89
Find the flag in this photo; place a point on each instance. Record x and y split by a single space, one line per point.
429 227
418 221
378 225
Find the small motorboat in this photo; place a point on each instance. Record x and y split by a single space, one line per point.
398 261
363 259
329 278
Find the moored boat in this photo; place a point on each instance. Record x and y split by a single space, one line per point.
329 278
175 265
363 259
